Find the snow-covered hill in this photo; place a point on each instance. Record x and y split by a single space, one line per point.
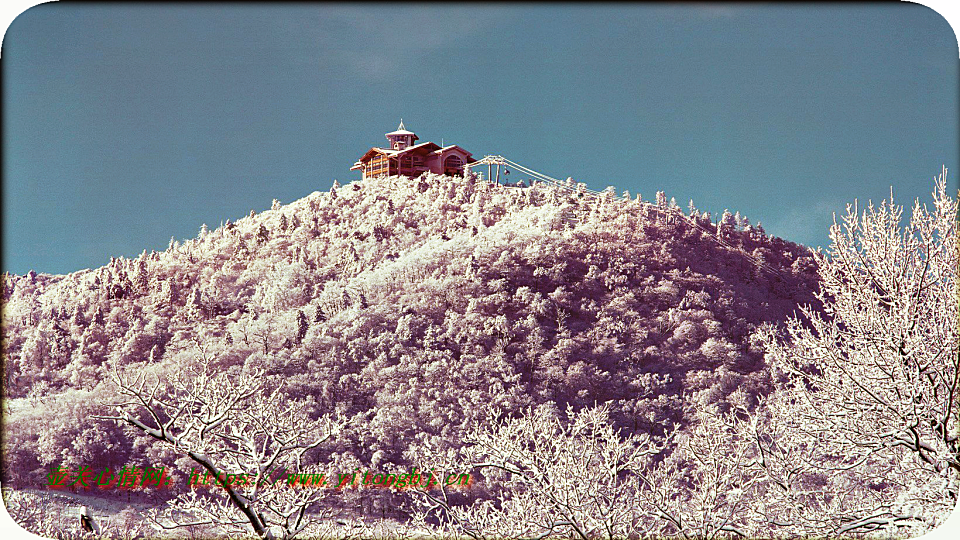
412 306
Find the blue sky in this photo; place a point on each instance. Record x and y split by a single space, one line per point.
124 125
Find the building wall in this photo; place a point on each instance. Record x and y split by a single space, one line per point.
411 165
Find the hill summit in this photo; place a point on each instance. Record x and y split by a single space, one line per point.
411 306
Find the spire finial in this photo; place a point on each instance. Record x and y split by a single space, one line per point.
401 125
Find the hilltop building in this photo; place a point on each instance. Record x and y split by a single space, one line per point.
403 157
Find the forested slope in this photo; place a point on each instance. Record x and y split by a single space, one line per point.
412 307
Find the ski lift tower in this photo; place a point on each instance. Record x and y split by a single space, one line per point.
489 161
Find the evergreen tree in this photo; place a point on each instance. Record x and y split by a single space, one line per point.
302 326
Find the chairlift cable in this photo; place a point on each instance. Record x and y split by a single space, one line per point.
592 194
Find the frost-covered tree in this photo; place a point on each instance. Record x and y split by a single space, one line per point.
726 225
549 478
708 484
234 423
870 386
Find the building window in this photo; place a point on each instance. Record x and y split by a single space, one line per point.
453 162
